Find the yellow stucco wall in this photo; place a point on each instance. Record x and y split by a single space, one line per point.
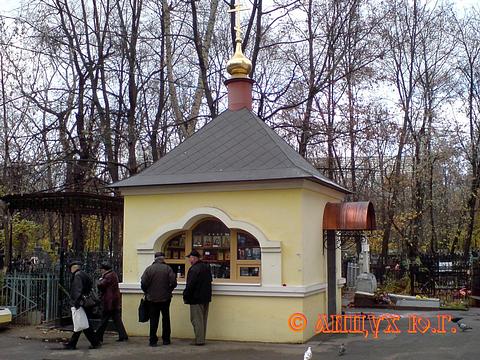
291 216
312 307
241 318
314 255
230 317
275 212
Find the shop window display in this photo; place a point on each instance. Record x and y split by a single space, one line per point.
233 255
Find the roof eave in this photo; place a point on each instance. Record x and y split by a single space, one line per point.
331 185
311 178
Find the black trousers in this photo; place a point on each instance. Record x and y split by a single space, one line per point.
115 315
155 308
89 333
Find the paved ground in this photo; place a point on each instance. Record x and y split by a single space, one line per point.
30 343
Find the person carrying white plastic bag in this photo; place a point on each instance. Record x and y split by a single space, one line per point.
80 287
79 318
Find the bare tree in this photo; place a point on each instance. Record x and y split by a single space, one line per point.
467 36
401 34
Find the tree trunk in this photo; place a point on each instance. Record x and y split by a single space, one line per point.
202 48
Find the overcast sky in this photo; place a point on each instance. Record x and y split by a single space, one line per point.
8 5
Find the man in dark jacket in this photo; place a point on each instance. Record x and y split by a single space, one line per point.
198 294
158 282
80 286
108 287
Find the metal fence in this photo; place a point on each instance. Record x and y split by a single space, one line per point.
442 275
91 263
353 270
40 293
32 297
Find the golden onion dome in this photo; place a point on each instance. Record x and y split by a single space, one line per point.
239 66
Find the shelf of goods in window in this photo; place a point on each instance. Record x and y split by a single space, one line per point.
250 271
197 241
214 248
216 240
216 255
220 271
213 240
249 253
174 254
245 240
207 240
223 255
177 242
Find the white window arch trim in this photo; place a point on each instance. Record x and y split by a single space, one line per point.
271 258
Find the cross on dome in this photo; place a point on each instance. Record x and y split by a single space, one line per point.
238 66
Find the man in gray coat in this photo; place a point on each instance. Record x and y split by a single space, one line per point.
158 282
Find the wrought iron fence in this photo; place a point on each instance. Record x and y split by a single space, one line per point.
91 263
33 297
443 275
40 293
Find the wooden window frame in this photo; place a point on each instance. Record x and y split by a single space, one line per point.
235 264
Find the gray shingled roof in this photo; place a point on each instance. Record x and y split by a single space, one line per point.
235 146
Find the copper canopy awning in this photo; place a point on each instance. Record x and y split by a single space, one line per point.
349 216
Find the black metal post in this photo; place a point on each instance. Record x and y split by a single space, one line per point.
62 266
331 273
112 232
10 243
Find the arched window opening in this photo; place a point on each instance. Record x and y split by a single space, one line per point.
233 255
